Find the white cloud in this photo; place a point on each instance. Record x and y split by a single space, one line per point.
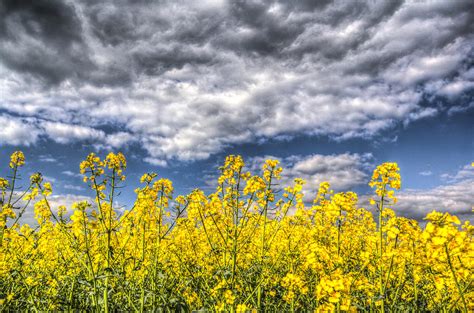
17 131
72 174
156 162
67 200
47 159
426 173
67 133
456 87
50 179
73 187
456 197
119 139
27 131
464 173
343 171
55 201
425 68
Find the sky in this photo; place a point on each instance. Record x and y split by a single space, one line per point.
330 88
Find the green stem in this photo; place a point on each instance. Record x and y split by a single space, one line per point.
71 295
89 258
455 278
142 299
109 247
339 224
4 218
381 283
262 253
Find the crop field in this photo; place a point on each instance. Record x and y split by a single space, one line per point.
250 246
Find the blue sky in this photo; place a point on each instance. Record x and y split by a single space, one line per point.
330 89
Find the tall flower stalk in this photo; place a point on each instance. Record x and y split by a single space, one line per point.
385 179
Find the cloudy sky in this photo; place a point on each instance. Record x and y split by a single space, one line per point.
330 88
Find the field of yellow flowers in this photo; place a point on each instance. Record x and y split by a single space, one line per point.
251 246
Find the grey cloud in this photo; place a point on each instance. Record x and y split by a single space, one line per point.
162 57
125 38
343 171
42 38
41 18
455 196
111 24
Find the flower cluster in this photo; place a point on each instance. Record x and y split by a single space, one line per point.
252 245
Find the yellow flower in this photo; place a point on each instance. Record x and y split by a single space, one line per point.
229 297
17 159
47 189
242 308
384 176
4 184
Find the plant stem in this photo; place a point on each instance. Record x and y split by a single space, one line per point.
454 277
381 286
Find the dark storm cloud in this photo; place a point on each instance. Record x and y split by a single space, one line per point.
48 38
52 21
43 38
109 42
113 25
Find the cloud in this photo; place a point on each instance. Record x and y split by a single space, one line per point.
49 179
464 173
456 197
72 174
185 81
47 159
156 162
28 131
43 39
343 171
426 173
17 131
67 133
119 139
73 187
67 200
55 201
